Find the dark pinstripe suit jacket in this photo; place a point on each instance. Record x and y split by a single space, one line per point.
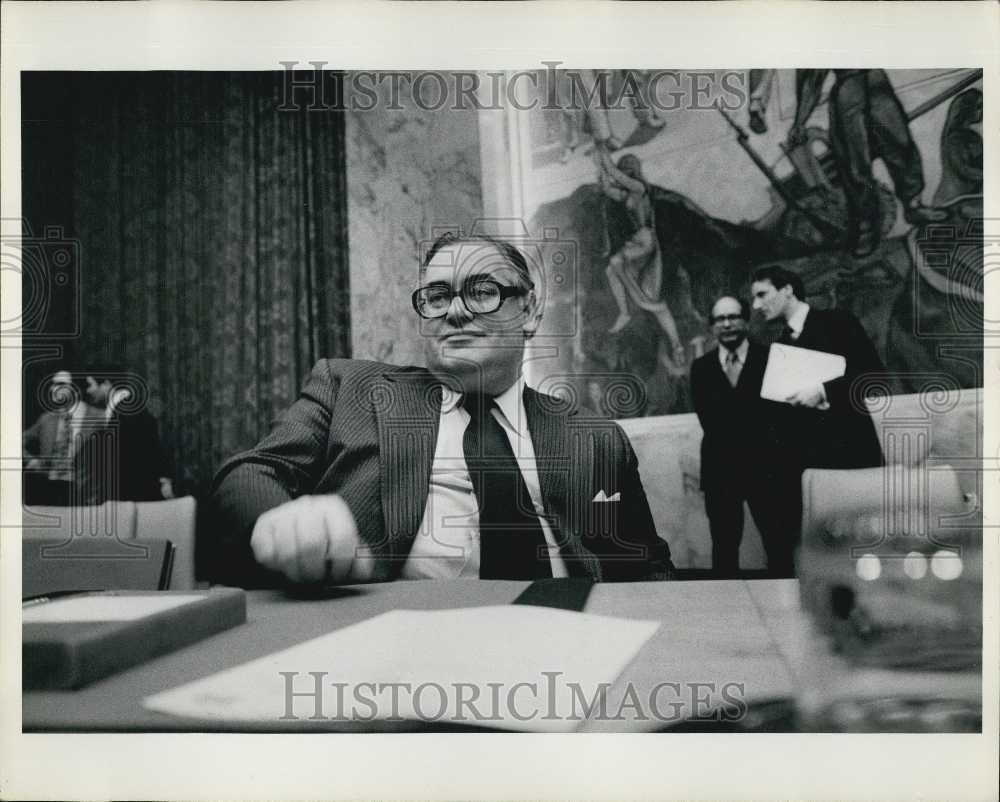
368 431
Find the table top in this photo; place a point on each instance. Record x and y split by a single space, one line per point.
712 633
719 642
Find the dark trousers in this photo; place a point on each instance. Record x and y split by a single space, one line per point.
867 121
776 507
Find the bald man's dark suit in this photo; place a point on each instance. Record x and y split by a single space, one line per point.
739 463
367 431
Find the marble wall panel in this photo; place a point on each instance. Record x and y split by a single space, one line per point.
409 171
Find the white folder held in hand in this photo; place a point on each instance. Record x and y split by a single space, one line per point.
790 369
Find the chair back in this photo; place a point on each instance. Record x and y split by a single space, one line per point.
172 520
906 498
112 519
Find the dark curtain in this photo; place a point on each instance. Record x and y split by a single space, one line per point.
212 243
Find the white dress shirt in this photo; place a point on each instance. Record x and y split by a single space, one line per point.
447 544
798 320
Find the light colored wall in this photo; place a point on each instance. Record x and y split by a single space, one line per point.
667 447
409 171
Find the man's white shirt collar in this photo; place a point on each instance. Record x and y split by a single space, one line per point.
510 403
798 320
741 352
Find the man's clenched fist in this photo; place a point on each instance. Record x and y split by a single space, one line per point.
312 539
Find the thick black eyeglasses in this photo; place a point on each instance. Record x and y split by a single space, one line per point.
480 297
726 318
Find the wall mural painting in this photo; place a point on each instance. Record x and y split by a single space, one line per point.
868 183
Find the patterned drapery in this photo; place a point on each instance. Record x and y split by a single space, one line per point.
212 229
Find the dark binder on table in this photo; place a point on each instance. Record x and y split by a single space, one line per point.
73 648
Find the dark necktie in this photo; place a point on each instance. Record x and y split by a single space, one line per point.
732 367
511 542
787 335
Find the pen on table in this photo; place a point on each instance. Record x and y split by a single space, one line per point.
33 601
57 594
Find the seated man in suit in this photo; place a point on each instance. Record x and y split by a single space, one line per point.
380 472
826 426
737 463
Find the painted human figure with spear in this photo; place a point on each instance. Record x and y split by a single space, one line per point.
867 121
635 271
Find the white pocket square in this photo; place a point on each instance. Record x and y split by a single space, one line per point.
602 496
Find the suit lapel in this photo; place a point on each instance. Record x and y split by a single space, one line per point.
548 436
407 411
755 363
554 459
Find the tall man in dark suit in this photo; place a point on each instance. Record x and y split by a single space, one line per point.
736 463
826 426
379 472
126 460
830 422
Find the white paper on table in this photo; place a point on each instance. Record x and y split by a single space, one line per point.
790 369
428 665
89 609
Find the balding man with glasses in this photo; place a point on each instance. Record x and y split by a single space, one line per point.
459 470
737 460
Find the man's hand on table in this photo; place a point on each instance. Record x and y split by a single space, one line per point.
312 539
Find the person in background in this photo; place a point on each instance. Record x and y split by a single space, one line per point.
736 465
827 425
136 468
50 446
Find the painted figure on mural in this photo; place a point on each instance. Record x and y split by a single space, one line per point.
634 271
962 149
637 85
653 260
866 121
585 98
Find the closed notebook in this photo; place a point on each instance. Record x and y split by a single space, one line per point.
71 641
